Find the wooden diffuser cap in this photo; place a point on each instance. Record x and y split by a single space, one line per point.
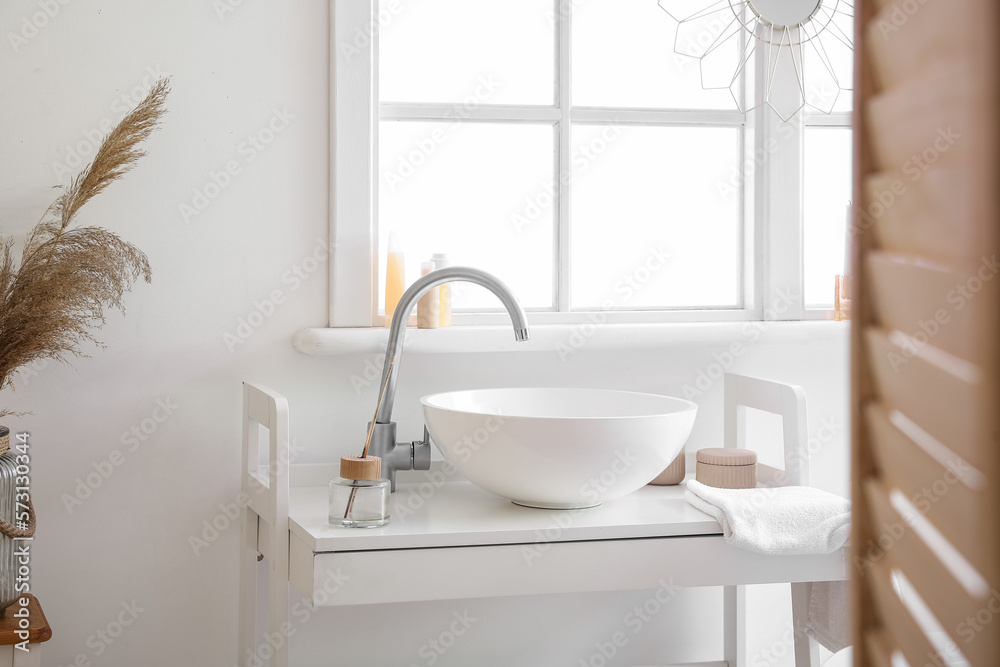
360 467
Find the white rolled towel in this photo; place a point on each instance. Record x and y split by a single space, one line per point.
785 520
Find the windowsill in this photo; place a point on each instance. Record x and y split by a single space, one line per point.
563 337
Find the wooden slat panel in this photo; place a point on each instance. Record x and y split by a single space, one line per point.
925 213
920 299
924 120
935 583
880 648
907 36
863 614
926 73
909 638
937 491
942 404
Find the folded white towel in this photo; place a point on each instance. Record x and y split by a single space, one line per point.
787 520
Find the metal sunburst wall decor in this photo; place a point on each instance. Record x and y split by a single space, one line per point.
795 35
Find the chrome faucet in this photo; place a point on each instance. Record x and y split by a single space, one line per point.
416 455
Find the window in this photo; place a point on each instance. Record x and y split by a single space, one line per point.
827 167
564 147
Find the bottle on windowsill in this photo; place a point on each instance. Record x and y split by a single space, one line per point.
428 315
395 276
842 298
444 295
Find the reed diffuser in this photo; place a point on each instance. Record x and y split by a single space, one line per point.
360 497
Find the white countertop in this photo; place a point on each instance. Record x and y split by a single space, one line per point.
461 514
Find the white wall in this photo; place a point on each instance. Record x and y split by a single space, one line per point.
129 539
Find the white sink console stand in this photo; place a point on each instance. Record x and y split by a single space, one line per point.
451 540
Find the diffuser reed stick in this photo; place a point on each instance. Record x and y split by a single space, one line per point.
371 431
378 406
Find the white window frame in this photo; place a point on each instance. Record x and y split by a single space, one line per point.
771 188
839 119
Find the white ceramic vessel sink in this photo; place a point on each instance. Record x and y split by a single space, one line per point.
558 448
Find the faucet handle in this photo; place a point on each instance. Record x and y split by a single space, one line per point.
422 452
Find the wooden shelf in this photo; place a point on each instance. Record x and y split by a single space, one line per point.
38 627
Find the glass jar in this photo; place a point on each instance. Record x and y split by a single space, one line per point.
359 503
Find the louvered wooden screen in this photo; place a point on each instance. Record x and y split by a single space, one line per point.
925 405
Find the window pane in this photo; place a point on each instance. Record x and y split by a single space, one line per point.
458 188
454 51
827 194
829 60
640 192
623 56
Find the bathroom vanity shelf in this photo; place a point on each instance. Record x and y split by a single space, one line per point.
459 533
451 540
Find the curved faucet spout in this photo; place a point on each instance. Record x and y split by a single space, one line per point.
409 299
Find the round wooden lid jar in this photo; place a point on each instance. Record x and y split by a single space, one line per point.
727 468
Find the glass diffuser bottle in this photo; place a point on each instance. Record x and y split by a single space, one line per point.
360 498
